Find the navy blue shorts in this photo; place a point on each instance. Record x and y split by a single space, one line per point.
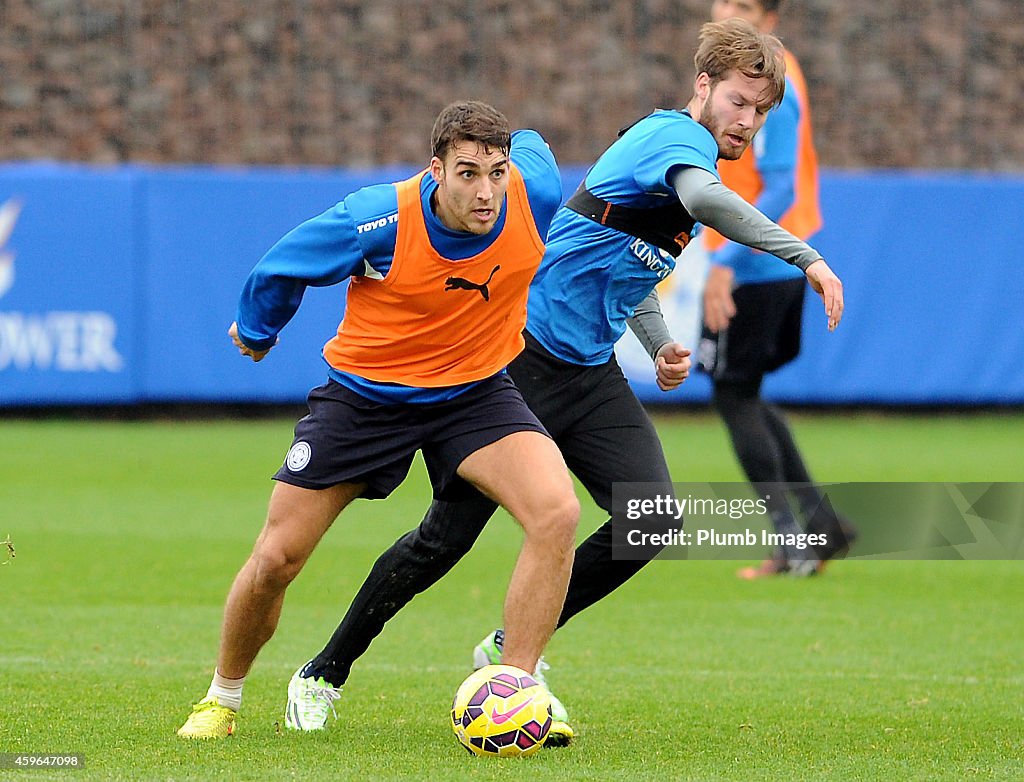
346 438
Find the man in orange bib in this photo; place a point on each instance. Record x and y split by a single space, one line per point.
753 307
439 267
608 247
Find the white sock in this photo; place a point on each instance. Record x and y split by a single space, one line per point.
228 692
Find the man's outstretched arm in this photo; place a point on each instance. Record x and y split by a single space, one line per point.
718 207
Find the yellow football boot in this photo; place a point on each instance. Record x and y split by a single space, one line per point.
208 720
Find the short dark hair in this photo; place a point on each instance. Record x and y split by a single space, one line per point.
470 120
771 5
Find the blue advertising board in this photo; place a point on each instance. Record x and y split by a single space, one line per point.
117 285
70 293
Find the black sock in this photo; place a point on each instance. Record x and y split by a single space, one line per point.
413 563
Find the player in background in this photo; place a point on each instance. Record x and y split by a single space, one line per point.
608 247
440 265
753 307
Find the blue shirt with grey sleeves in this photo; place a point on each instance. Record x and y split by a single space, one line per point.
592 277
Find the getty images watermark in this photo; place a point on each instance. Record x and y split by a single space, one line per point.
734 521
673 509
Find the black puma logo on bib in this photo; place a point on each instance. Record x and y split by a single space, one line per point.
458 283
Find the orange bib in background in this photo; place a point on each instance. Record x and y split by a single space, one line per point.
803 218
433 322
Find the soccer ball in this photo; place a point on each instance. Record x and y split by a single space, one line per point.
501 711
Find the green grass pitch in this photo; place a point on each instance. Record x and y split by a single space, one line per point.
128 534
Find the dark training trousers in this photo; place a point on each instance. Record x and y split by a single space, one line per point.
605 437
765 335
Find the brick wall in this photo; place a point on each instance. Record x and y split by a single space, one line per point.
902 83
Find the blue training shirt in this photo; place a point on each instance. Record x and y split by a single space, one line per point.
593 277
357 237
775 156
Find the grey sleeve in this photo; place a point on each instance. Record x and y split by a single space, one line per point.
718 207
649 325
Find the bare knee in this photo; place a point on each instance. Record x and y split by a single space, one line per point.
274 568
296 520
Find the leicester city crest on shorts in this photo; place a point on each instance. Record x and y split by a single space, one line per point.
298 456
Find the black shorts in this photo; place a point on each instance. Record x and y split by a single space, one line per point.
602 430
763 335
346 438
